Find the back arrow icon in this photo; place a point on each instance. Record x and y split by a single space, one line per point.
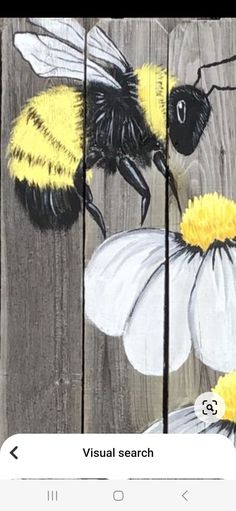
183 495
12 452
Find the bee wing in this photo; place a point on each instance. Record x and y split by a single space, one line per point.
102 47
50 57
99 44
67 29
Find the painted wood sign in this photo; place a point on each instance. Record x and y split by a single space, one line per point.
118 332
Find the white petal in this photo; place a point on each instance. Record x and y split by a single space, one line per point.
117 272
180 421
212 311
224 427
185 421
144 336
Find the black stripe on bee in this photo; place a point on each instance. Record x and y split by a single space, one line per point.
49 208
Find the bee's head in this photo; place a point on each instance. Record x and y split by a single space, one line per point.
189 111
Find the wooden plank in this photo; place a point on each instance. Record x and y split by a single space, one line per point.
212 166
41 379
170 23
117 397
88 23
41 351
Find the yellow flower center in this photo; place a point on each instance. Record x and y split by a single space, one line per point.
208 218
226 388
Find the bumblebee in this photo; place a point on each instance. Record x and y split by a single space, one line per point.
123 112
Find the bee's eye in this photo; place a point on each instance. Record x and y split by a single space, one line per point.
181 111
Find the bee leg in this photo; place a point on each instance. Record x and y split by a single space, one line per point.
84 191
159 160
133 176
97 216
93 210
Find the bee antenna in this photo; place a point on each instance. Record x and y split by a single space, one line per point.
219 88
212 64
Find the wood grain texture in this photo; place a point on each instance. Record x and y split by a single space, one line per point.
41 358
170 23
212 166
117 397
46 342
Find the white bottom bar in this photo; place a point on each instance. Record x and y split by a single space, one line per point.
129 495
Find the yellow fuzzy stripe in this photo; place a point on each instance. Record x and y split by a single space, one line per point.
46 142
152 92
37 175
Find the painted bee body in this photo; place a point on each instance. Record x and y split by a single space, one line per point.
116 123
45 149
125 123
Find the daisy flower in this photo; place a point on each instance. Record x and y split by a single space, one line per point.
124 289
185 420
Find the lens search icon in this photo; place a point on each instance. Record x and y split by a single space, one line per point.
209 407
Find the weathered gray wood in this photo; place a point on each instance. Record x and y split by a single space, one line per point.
212 166
117 397
88 23
170 23
41 381
41 357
